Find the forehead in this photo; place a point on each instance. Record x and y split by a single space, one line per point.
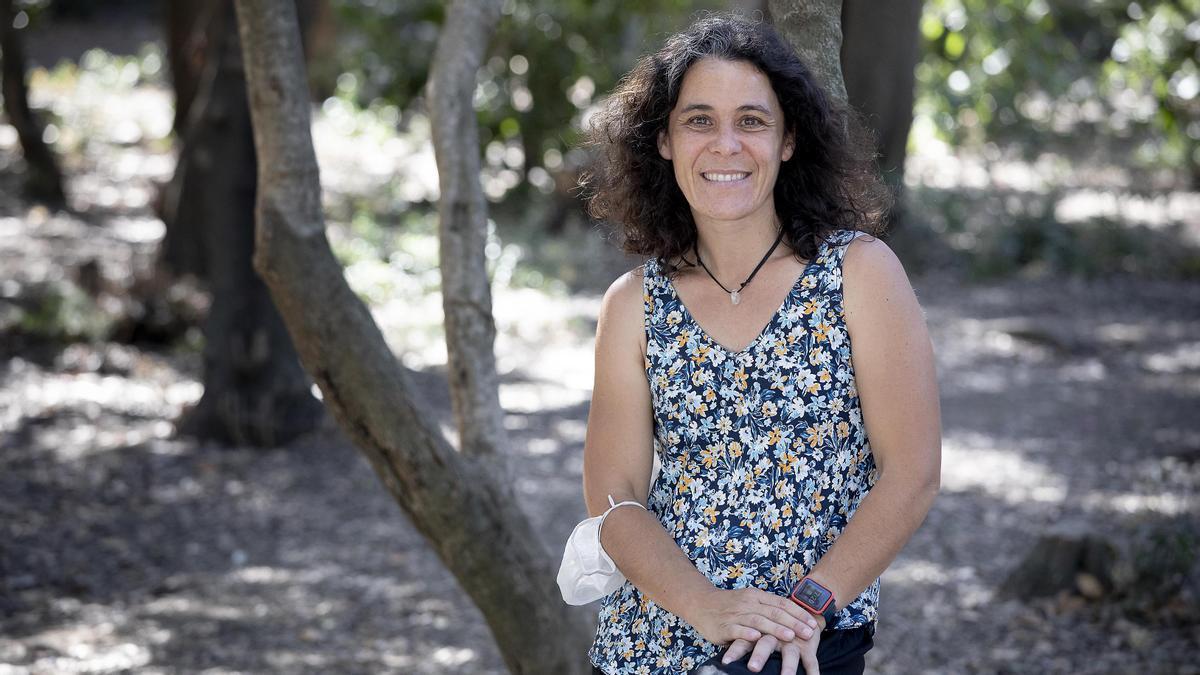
726 84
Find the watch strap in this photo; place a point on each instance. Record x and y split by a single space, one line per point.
830 613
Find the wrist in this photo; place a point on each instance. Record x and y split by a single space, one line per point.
822 577
815 598
695 601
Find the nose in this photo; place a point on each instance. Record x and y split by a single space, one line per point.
726 141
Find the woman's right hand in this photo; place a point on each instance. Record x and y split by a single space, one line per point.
722 616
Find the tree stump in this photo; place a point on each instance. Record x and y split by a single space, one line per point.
1067 560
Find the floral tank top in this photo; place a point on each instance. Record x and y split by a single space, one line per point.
764 458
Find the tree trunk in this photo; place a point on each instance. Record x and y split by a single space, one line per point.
183 249
813 27
185 29
43 179
195 32
1075 562
462 233
880 49
468 513
749 8
255 392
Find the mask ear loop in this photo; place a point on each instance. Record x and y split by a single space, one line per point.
612 506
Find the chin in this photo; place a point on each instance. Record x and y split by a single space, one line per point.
726 213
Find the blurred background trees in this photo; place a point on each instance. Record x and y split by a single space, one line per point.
1034 76
1024 76
43 179
1074 93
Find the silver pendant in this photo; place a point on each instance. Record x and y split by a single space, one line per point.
734 297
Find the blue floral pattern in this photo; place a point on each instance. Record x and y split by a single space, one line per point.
764 459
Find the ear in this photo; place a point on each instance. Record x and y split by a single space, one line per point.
664 145
789 146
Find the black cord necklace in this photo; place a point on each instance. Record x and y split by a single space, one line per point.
735 296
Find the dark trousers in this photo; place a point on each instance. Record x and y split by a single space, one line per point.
841 652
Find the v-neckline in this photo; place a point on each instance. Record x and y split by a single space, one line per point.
691 318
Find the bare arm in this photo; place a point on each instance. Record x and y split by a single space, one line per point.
617 460
897 388
617 456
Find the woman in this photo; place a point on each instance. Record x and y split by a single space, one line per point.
727 355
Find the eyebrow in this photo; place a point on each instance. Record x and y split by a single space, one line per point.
749 106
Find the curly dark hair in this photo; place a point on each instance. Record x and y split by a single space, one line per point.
830 182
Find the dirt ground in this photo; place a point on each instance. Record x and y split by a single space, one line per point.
1067 406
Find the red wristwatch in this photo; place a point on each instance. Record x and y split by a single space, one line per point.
815 598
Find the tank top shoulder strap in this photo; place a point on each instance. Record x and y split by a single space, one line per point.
833 252
837 243
653 291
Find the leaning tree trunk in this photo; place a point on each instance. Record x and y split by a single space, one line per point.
255 391
879 58
43 180
458 501
462 209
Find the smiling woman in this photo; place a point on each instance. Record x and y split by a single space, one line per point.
832 185
725 141
792 471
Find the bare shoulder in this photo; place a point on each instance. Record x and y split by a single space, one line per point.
869 259
874 281
622 310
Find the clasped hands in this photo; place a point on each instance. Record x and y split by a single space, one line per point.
751 620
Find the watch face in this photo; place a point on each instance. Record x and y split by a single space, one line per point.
812 595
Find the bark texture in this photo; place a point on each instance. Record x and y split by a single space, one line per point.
462 233
43 178
880 49
469 514
813 27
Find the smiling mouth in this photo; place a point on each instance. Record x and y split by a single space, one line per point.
724 176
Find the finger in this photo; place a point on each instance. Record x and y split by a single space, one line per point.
737 649
762 651
795 611
808 656
784 611
747 633
768 627
791 658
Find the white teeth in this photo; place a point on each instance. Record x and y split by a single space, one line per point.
724 177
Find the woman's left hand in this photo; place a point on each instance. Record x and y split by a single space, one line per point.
797 652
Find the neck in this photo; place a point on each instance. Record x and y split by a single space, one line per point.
731 250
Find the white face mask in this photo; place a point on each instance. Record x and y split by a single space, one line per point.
587 573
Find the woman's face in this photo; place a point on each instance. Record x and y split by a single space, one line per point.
725 139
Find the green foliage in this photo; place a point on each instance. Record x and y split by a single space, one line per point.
547 63
1038 76
63 312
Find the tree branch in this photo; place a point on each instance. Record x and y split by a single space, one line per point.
466 293
468 514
